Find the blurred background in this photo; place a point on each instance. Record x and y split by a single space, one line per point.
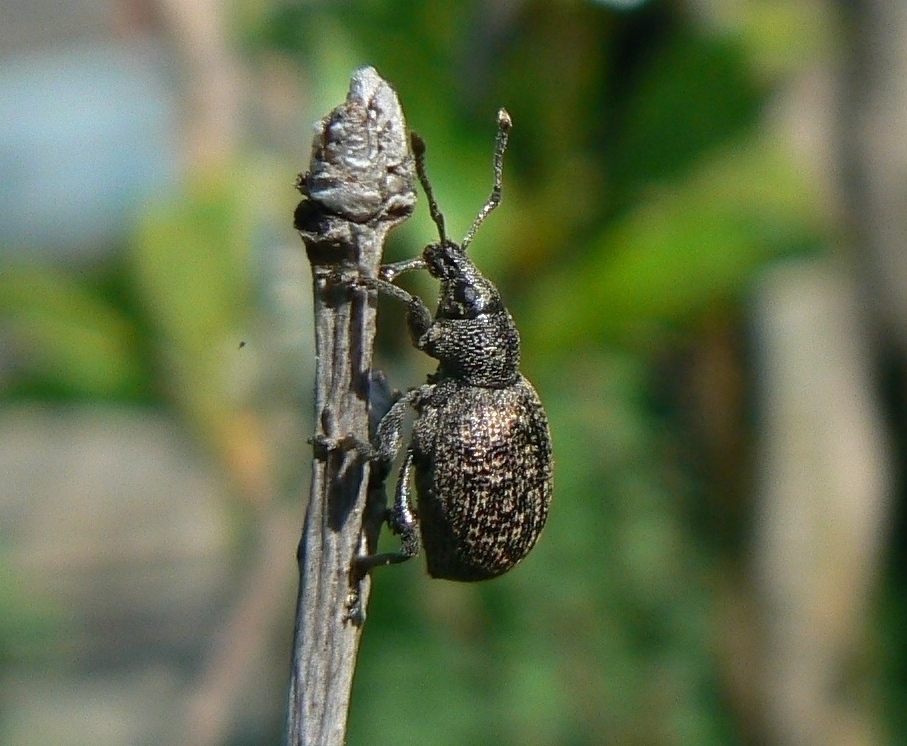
702 241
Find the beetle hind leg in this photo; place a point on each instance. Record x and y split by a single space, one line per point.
401 519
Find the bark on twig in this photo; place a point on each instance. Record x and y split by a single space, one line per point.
360 184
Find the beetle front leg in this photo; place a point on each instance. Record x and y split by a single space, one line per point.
418 318
390 272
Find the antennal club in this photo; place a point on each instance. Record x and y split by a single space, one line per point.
419 152
504 125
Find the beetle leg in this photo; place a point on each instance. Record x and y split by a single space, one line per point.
390 271
402 521
418 318
324 446
390 430
381 285
401 517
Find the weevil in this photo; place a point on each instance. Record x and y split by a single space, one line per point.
480 450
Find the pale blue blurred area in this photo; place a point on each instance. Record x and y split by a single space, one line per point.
86 136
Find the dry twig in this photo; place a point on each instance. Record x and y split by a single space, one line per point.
359 185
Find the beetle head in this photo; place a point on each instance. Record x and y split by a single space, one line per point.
465 292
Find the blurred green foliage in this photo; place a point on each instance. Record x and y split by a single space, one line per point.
643 193
192 270
33 625
78 342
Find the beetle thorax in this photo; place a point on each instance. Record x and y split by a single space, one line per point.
483 351
473 335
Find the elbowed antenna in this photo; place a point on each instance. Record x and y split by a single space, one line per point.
504 125
390 272
419 152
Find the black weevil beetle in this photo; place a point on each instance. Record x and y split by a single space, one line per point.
480 447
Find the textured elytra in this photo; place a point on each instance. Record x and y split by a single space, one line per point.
483 475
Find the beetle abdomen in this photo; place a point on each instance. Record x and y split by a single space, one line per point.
483 477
